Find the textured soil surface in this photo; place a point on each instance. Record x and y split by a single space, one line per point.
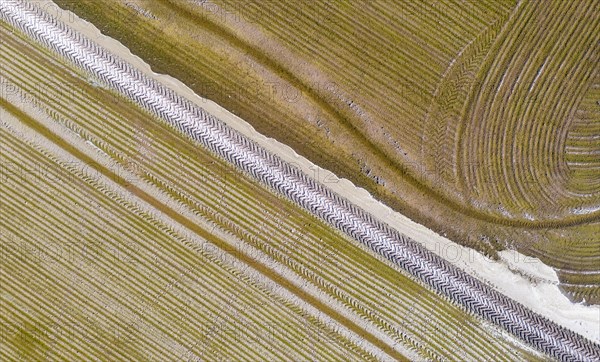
479 120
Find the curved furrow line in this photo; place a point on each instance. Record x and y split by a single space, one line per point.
566 107
359 81
582 146
518 98
390 173
443 117
440 275
469 175
515 66
579 75
362 84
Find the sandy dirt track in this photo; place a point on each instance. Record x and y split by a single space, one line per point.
523 278
348 190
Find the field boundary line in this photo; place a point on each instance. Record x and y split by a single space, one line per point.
463 289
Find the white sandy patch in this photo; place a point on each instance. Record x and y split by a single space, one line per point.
542 296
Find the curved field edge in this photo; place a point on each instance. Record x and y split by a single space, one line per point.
143 148
229 71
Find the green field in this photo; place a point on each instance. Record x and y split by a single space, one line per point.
124 240
476 119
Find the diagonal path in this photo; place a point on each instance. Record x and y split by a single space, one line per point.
463 289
